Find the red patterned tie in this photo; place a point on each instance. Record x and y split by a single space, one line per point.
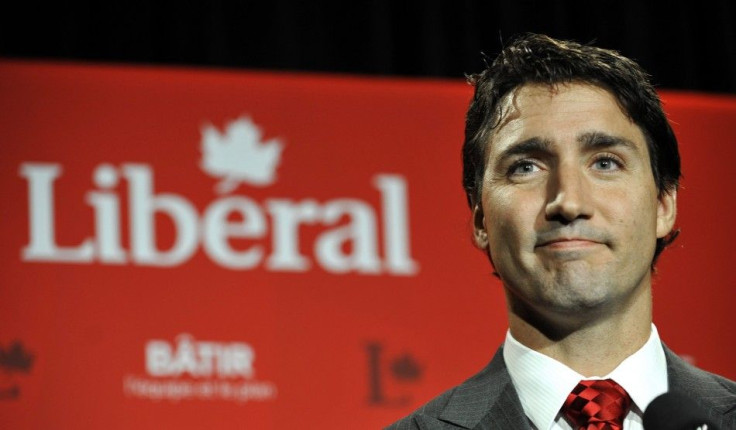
597 405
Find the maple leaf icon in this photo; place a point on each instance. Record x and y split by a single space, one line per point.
238 155
15 358
405 368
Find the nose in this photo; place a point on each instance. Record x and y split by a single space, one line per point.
569 196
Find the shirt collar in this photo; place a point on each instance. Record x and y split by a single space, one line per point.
643 374
543 383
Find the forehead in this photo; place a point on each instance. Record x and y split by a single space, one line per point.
560 114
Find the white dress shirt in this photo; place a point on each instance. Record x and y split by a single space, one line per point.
543 383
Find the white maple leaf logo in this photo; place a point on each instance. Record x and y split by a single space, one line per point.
238 155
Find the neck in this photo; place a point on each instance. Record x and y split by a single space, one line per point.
593 344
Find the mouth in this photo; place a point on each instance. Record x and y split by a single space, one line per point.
565 243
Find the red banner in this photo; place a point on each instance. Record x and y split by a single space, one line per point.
221 249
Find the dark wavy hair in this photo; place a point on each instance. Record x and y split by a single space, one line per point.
540 59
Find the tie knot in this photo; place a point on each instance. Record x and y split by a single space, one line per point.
597 405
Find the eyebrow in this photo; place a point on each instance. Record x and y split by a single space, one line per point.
598 140
527 146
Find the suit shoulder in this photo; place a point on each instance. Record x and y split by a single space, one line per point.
715 393
694 378
466 404
707 380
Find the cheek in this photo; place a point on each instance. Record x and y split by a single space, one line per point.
634 217
511 219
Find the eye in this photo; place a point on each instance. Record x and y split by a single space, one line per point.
607 163
523 168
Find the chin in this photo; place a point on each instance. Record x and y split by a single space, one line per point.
578 294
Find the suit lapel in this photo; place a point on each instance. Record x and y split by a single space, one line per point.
488 400
506 413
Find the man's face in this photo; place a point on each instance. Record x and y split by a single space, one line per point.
569 209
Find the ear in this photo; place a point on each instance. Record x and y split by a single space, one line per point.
480 237
666 213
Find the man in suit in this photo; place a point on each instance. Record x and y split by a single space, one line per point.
571 172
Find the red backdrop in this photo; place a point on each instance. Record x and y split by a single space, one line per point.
225 249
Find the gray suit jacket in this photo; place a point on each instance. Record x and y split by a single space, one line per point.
489 400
